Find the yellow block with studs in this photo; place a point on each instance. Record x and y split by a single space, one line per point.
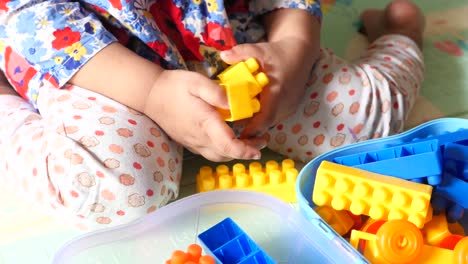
366 193
273 179
242 82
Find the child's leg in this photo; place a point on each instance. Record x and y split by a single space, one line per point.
87 157
345 103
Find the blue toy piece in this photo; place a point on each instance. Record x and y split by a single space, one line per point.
456 160
442 205
419 161
453 190
229 244
450 196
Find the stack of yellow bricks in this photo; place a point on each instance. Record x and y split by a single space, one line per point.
242 82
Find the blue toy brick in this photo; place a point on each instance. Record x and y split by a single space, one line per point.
454 191
442 205
229 244
450 196
220 234
419 161
456 160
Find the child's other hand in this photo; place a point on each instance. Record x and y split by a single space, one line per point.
287 63
183 104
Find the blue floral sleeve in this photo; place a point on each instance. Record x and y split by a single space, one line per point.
46 41
263 6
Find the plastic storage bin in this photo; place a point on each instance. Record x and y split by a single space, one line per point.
436 129
276 227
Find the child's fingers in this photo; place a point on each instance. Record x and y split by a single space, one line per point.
226 144
239 53
263 120
258 126
211 93
209 154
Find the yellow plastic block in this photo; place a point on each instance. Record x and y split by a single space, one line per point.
279 181
401 244
372 194
242 84
340 221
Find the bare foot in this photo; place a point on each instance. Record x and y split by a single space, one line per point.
399 17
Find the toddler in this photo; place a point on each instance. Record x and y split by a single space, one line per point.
101 97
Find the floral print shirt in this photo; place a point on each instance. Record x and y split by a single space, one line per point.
47 41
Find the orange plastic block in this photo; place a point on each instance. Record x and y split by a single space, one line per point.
340 221
450 241
401 242
279 181
372 194
192 256
242 84
436 230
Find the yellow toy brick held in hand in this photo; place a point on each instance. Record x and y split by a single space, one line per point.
242 84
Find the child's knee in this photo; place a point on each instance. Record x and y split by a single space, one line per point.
109 163
102 192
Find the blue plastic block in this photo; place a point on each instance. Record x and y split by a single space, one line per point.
456 160
442 205
229 244
420 161
454 191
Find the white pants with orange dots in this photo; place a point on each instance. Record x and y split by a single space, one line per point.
98 163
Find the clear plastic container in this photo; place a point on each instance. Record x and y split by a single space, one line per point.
277 227
436 129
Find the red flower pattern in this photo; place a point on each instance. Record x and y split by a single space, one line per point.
218 37
3 5
65 38
159 47
168 17
18 71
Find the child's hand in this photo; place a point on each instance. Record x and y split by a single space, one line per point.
183 104
288 68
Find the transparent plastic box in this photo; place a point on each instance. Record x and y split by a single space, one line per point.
277 227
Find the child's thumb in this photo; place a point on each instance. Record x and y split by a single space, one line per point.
234 55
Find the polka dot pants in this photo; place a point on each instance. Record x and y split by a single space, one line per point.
99 163
349 102
87 157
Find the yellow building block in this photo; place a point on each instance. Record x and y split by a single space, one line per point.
372 194
400 242
242 84
340 221
279 181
